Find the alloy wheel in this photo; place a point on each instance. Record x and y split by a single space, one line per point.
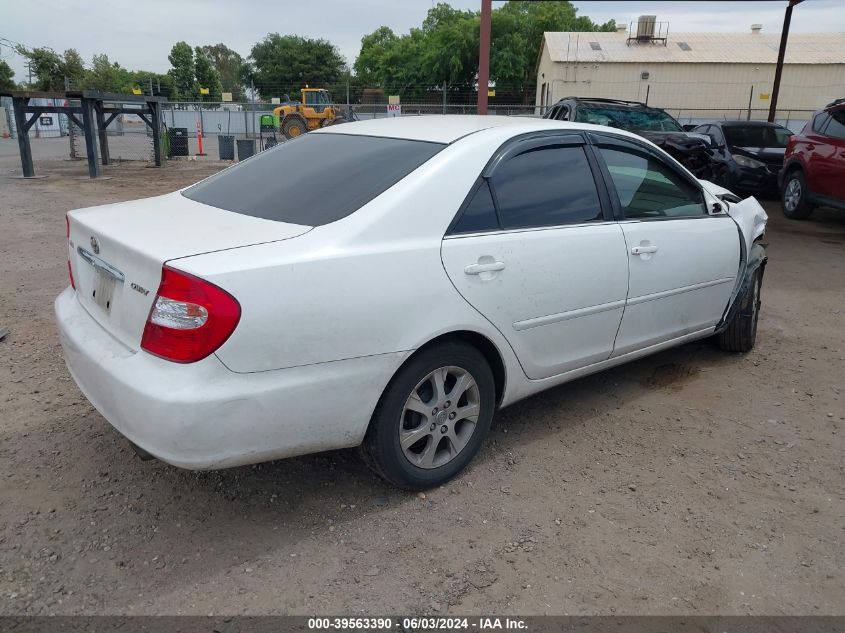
792 194
439 417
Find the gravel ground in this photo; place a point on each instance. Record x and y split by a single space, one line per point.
690 482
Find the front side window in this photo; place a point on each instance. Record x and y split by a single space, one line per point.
288 183
546 186
317 98
649 189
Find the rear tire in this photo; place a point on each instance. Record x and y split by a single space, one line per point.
794 196
294 126
432 418
741 333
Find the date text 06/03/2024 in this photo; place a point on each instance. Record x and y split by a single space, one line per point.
417 624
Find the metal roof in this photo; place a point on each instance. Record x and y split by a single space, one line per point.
713 48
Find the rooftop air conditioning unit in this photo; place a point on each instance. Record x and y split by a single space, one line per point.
645 27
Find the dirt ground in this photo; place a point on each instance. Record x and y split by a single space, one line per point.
690 482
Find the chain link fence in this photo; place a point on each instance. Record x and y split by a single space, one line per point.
130 139
55 136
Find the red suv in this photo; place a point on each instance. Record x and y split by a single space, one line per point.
813 173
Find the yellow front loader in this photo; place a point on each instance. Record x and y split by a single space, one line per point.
315 110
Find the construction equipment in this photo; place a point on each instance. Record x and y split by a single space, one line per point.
315 110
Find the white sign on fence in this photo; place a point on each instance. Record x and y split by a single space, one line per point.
394 109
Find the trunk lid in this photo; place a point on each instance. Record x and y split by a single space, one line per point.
117 252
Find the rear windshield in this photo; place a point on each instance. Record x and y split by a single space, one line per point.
314 179
756 136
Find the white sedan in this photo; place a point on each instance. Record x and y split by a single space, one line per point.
388 284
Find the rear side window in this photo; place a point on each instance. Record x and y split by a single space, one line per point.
480 213
560 113
648 189
836 127
314 179
820 121
548 186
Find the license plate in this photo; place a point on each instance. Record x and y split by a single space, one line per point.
103 289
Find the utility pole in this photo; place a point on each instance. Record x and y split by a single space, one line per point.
784 36
750 97
252 94
484 55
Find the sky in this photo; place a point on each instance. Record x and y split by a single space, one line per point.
139 35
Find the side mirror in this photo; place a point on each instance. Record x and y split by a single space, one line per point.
713 204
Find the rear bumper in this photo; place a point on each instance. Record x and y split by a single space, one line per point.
204 416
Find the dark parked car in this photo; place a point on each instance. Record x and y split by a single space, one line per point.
654 124
747 155
814 170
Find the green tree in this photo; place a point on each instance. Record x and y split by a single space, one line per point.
450 50
107 76
206 76
284 64
182 70
228 65
370 64
517 35
445 49
47 67
74 68
6 74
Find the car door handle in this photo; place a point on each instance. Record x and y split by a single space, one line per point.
477 269
642 250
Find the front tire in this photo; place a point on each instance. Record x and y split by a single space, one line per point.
294 126
794 196
741 333
432 418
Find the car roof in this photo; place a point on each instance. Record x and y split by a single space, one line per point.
436 128
747 124
448 128
610 103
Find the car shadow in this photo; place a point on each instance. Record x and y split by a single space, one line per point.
260 491
288 504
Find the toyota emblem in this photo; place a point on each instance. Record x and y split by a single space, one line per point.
95 245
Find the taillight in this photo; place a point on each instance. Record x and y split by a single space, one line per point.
190 318
69 269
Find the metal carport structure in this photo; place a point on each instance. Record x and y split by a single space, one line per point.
97 110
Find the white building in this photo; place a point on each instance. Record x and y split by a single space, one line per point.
694 75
